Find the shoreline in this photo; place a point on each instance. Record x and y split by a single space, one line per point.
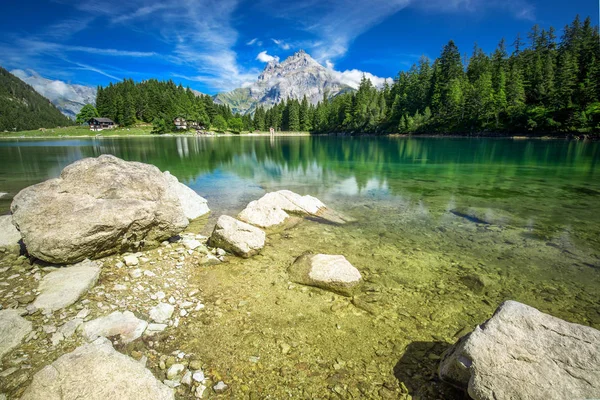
592 137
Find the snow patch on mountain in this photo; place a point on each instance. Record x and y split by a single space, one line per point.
68 98
297 76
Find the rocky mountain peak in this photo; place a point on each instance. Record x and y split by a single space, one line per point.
297 61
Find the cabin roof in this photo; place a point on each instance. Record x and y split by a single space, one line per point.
102 120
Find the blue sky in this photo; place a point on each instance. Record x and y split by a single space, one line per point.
217 45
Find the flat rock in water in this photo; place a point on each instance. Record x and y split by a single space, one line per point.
329 272
97 207
63 287
95 371
522 353
237 237
9 235
13 328
274 208
124 324
194 206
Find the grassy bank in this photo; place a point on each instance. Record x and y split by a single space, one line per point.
83 131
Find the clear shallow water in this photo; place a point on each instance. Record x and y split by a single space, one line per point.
447 229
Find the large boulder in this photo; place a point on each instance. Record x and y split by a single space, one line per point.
522 353
97 207
237 237
13 328
329 272
194 206
9 235
274 208
123 324
63 287
95 371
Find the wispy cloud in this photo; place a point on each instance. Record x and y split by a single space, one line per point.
520 9
281 43
264 57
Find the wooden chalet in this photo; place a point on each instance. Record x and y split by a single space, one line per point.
180 123
98 124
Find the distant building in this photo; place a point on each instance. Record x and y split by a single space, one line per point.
180 123
98 124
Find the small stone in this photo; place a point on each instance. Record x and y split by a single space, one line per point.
83 313
187 378
198 376
136 273
161 313
175 370
220 387
199 393
285 348
119 287
57 337
195 364
153 329
160 295
182 313
131 261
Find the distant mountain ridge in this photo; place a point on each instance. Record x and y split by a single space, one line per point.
22 108
68 98
297 76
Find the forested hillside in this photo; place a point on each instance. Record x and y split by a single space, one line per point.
543 85
22 108
128 102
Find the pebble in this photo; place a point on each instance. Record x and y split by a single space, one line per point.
136 273
149 273
200 391
175 370
220 387
198 376
160 295
182 313
187 378
131 261
119 264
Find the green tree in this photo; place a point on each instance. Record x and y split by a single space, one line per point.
236 125
86 113
220 124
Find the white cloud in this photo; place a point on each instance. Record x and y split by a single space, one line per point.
264 57
353 77
251 42
282 44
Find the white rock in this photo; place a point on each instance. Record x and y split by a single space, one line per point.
237 237
13 328
63 287
9 235
160 295
56 338
172 300
95 371
199 393
522 353
191 244
97 207
220 387
153 329
135 273
182 313
175 370
274 208
69 327
119 264
149 273
161 312
187 378
198 376
126 325
193 205
131 260
83 313
119 287
330 272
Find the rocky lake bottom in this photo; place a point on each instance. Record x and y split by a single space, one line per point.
437 254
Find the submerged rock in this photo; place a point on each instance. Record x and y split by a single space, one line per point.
97 207
13 328
274 208
237 237
194 206
9 235
126 325
96 371
523 353
329 272
63 287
